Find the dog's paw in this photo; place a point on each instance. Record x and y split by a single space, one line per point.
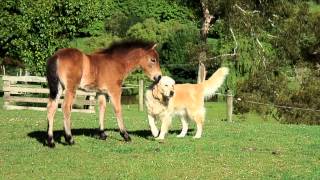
196 137
159 138
181 135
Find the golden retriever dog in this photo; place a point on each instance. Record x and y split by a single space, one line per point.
166 99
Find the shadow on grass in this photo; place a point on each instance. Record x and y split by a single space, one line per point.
41 136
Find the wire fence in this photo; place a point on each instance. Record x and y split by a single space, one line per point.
238 99
282 106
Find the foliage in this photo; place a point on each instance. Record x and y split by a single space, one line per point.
129 12
119 23
177 44
273 38
92 44
263 86
161 10
32 30
295 104
306 97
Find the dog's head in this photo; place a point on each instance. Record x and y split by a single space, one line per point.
164 89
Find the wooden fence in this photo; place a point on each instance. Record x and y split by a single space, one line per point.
30 92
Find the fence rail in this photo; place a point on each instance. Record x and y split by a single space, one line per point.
28 92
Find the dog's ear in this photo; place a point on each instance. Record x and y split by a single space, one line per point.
156 92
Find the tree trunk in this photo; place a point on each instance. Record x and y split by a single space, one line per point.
204 34
207 17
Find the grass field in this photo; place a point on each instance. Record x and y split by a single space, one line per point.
314 7
249 148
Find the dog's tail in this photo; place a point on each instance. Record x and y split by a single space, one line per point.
52 77
215 81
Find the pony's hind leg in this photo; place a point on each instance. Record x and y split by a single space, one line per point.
116 101
102 109
66 108
51 111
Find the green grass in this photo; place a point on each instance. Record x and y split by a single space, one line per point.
314 7
249 148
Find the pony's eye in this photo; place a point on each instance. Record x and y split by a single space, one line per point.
153 60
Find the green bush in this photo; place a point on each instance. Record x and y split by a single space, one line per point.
92 44
31 31
263 86
178 45
161 10
306 97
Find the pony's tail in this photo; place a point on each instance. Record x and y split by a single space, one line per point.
215 81
52 77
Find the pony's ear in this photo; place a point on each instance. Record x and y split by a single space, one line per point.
156 93
154 46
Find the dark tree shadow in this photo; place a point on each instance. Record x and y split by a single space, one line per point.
41 136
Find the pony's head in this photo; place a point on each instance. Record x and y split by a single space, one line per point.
150 63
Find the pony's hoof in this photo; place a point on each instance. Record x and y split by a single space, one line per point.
125 136
69 139
51 145
50 142
102 135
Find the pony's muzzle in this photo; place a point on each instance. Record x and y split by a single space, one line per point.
157 78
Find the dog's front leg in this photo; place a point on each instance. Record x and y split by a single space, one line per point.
153 127
166 122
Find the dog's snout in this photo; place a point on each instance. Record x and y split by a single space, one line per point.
157 78
171 93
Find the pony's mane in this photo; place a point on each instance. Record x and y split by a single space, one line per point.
126 45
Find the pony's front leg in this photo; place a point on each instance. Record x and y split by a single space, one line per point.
66 108
102 108
116 101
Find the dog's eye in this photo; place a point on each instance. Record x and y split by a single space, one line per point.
166 85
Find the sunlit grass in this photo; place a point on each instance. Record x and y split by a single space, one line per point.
314 7
249 148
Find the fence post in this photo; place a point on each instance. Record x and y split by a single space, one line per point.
229 105
27 73
6 94
91 106
141 95
4 70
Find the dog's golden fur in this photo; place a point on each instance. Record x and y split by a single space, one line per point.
166 99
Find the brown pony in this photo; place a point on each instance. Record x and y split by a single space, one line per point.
102 71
